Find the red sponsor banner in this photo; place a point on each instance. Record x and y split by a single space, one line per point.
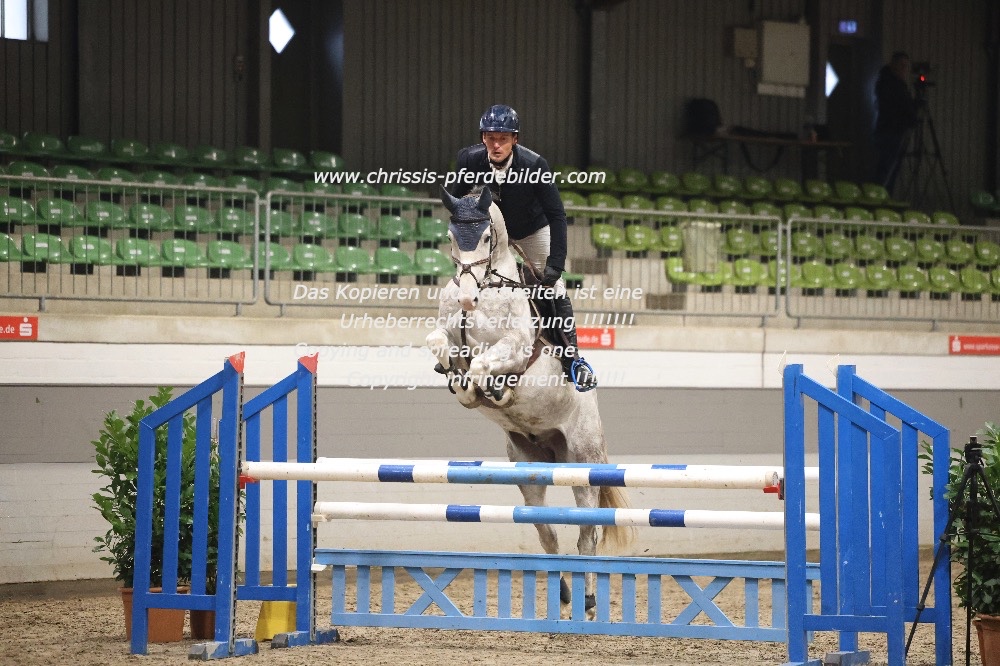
595 338
18 328
976 345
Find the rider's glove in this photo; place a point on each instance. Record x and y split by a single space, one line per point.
551 275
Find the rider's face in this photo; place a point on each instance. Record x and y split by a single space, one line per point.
499 144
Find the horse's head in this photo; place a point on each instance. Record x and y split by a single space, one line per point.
473 241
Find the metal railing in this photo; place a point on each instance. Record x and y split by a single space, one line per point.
382 253
127 241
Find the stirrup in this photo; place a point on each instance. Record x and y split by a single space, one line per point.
578 363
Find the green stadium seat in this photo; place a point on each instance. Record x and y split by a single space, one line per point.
247 158
129 150
943 281
663 183
10 249
179 254
430 263
668 204
786 189
756 188
392 230
929 250
847 278
572 199
390 263
703 206
974 281
995 283
767 208
279 184
984 203
944 218
836 247
725 187
314 226
846 193
9 143
58 213
815 276
167 154
739 242
816 191
594 184
694 184
734 208
27 169
637 202
795 209
272 258
676 272
224 256
353 260
888 215
278 224
103 215
15 212
899 249
209 157
323 161
987 254
71 172
84 252
911 279
289 161
768 247
631 180
958 252
39 249
116 175
231 223
748 274
430 231
805 245
916 217
148 218
134 254
156 177
853 214
197 179
190 220
606 238
712 280
40 144
670 241
352 228
309 259
868 249
86 148
879 279
639 239
780 274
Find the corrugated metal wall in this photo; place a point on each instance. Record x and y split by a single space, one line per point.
163 71
37 78
417 76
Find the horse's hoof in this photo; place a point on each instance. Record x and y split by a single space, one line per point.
438 368
502 398
564 595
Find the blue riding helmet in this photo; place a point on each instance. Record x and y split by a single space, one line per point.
499 118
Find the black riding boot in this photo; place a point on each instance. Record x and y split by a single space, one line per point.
577 370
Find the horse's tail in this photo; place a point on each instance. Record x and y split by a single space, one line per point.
615 538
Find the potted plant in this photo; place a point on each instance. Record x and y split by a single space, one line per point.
978 587
117 457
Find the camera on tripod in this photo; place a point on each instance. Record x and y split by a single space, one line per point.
921 78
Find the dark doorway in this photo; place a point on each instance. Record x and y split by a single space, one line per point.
307 77
850 107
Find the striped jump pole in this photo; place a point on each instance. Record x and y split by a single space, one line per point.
547 474
555 515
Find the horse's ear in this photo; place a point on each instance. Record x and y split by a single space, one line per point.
448 200
485 199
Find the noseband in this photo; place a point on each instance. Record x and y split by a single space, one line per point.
488 259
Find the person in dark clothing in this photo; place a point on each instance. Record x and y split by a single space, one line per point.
895 118
523 187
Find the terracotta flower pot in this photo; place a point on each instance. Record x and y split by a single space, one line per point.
202 624
166 625
988 628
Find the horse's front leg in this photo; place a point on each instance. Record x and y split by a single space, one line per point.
506 358
588 497
443 346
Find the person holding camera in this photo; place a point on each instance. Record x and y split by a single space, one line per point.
523 187
896 116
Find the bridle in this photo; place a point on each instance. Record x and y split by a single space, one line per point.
466 269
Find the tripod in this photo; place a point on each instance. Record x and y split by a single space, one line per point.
913 160
966 498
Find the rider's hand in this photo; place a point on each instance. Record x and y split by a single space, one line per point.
551 276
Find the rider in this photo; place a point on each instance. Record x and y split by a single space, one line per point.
534 215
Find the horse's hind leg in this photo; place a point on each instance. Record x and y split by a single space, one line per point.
588 497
